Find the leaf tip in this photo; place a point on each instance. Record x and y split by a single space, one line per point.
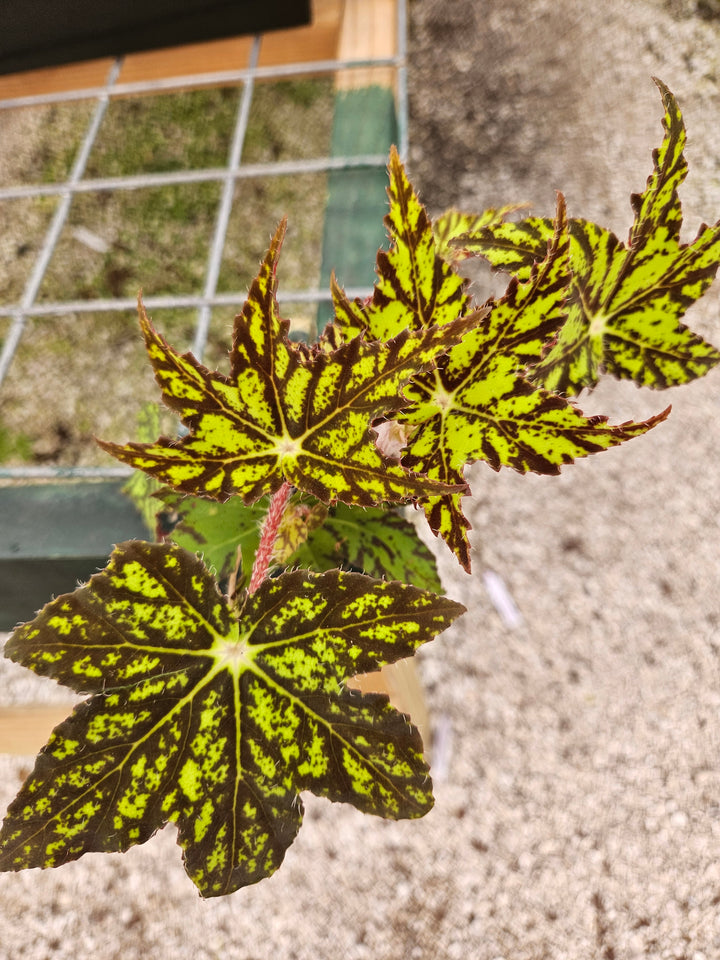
662 87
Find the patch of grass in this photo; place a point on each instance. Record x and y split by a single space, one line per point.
14 447
263 202
39 144
290 120
157 238
173 131
23 225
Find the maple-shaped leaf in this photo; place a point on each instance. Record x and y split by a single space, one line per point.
480 406
455 223
625 302
215 720
415 288
286 412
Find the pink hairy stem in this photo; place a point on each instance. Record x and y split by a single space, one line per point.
268 536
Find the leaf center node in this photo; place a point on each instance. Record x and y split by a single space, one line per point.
233 653
442 398
288 447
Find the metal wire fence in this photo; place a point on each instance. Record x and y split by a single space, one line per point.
207 295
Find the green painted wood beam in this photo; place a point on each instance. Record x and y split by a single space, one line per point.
54 535
365 121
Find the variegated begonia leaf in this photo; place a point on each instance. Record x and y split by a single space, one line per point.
286 412
479 405
625 302
416 288
214 719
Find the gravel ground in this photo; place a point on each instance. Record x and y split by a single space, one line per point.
576 754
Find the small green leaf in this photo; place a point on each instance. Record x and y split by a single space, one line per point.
374 540
286 412
299 521
216 530
214 721
379 542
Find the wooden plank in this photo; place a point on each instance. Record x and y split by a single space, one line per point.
401 683
319 41
369 31
229 54
24 730
74 76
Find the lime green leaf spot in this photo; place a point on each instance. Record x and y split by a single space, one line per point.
136 579
190 781
85 667
62 625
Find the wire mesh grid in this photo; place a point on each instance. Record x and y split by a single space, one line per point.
36 297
